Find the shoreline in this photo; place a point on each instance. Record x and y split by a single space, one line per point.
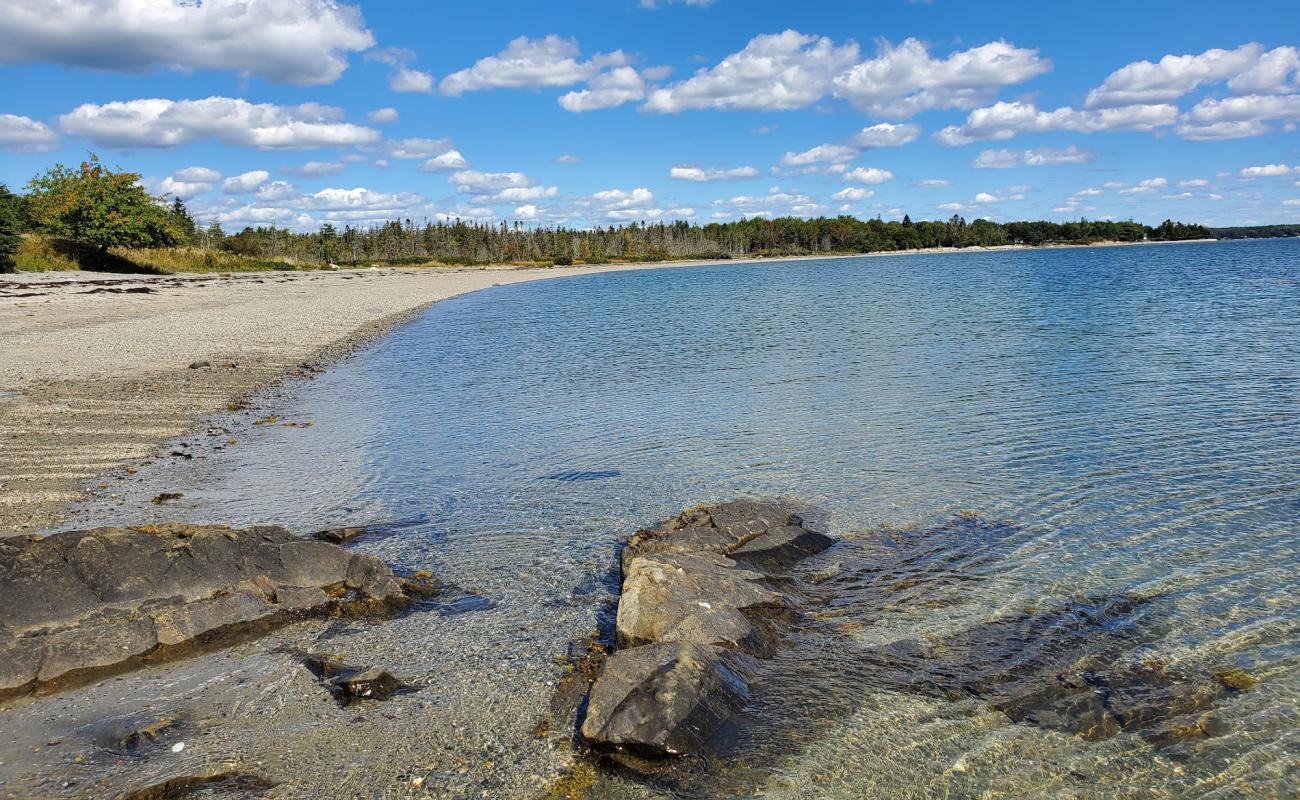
100 375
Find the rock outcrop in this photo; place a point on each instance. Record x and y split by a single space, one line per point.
698 610
80 602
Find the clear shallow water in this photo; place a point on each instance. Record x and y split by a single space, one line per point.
1133 412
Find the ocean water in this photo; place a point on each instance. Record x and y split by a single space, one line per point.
1128 417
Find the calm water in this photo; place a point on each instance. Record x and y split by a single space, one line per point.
1134 413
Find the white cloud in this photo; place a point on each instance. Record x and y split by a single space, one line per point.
776 202
527 212
774 72
1194 182
934 182
1266 171
1146 187
499 187
404 78
197 174
853 194
1291 202
530 63
315 169
886 135
276 191
606 90
452 159
1237 117
1143 82
985 197
172 186
412 81
169 123
246 182
567 159
905 79
413 149
684 172
469 180
868 175
1004 120
1039 157
1276 72
821 154
26 135
303 42
383 116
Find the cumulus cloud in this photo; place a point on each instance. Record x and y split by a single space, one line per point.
934 182
383 116
26 135
303 42
777 202
1144 82
452 159
498 187
868 175
774 72
413 149
821 154
245 182
606 90
276 191
905 79
1237 117
404 77
1003 120
1039 157
683 172
853 194
157 122
1147 186
173 186
316 169
886 135
1266 171
529 64
1276 72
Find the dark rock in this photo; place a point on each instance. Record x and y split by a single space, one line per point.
167 497
81 601
134 737
663 699
211 785
351 684
339 535
200 365
781 548
692 620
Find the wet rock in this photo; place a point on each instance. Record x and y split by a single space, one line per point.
663 699
134 737
82 601
697 611
351 684
230 784
339 535
167 497
1062 669
691 597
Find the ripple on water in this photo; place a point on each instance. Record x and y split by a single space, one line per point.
1134 413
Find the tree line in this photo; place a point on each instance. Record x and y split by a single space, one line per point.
98 209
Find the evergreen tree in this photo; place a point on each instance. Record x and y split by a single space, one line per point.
9 237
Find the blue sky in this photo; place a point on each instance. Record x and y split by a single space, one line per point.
298 112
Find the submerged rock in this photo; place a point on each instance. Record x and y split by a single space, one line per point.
79 602
350 684
692 622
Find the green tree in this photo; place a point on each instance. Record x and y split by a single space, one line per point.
185 224
9 238
95 206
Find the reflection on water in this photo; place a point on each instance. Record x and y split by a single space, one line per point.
1133 412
